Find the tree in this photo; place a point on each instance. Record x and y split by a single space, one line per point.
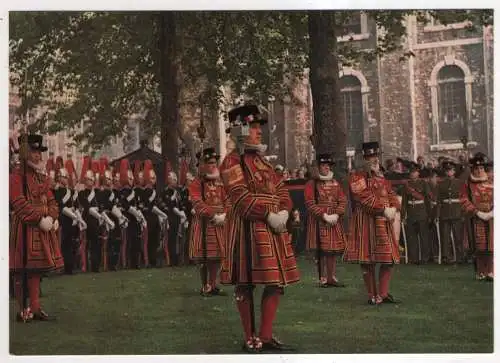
99 68
329 134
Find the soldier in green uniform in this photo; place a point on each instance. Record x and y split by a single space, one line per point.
433 192
416 213
450 216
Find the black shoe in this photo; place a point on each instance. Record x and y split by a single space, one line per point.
275 345
205 293
43 316
218 292
336 284
375 300
389 299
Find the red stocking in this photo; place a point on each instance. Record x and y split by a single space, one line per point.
34 292
243 296
212 273
269 305
384 280
368 279
482 265
331 268
489 264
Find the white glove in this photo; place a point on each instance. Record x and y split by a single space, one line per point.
328 218
179 212
275 221
46 223
82 225
75 222
390 213
69 213
55 226
193 212
482 215
219 218
284 214
94 212
335 218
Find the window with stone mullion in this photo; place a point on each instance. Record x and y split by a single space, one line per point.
353 113
452 110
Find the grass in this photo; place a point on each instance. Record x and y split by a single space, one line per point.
159 311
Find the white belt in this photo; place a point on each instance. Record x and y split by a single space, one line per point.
449 201
415 202
434 203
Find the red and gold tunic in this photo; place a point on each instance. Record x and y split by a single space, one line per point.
371 238
477 195
254 190
208 198
325 196
43 248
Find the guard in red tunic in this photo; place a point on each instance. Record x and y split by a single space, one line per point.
257 248
326 204
206 242
477 200
371 238
35 217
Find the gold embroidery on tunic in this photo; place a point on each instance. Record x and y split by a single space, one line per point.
233 175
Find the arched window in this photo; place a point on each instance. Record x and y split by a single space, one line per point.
452 104
352 101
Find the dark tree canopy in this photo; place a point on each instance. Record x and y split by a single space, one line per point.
97 69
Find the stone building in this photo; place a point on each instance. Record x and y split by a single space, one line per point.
423 105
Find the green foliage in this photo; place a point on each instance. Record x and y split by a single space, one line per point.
96 69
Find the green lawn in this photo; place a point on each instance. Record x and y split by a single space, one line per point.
159 311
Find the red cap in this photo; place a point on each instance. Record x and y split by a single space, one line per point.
85 166
148 167
124 169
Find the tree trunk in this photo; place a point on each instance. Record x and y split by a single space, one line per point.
169 86
329 129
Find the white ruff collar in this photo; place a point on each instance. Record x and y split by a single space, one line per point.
39 168
261 148
212 176
479 179
326 177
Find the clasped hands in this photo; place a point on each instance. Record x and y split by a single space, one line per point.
277 221
485 216
390 213
219 219
47 223
330 219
